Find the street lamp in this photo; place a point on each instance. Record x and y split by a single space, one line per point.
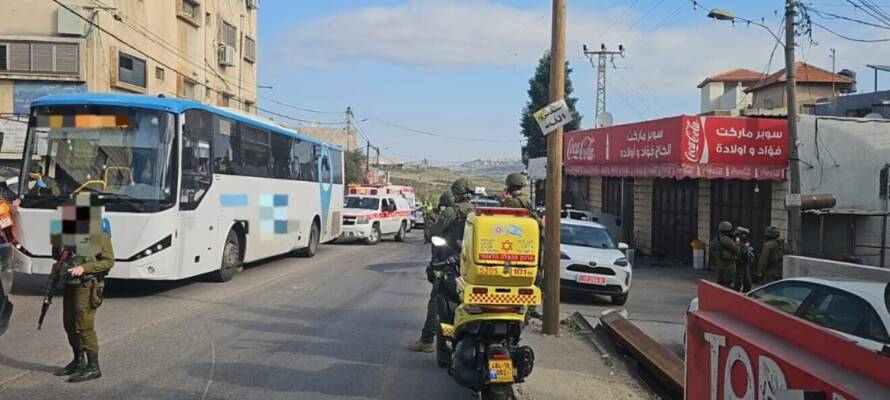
792 201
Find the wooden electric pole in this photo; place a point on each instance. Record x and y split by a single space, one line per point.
794 218
553 201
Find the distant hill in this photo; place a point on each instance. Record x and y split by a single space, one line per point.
430 182
495 169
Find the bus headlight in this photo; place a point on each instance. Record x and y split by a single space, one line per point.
160 245
361 220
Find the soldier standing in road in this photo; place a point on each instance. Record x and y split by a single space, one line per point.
769 264
724 254
745 264
513 196
449 225
83 230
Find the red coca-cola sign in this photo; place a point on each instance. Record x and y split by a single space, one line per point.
580 148
682 147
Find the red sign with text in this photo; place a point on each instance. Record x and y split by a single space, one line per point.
740 348
682 147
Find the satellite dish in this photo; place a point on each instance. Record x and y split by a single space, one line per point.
873 115
604 120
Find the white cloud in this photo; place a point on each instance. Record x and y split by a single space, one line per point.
448 34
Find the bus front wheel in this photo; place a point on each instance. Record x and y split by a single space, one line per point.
231 259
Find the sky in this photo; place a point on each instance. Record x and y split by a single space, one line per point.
460 68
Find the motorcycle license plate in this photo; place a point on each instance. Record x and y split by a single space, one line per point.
500 371
591 280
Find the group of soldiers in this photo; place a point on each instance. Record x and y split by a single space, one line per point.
737 266
448 223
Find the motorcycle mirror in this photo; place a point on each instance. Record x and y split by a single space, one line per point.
438 241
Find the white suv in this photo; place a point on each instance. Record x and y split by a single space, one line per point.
371 218
591 262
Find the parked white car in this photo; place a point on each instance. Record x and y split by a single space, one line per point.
856 309
591 262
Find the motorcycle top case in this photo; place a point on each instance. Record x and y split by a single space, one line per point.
500 249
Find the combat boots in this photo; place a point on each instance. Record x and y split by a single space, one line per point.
422 347
88 373
78 363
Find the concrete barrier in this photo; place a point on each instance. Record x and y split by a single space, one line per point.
801 267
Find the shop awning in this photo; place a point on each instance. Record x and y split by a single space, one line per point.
682 147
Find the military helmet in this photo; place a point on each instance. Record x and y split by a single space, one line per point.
725 227
771 232
446 199
515 180
461 186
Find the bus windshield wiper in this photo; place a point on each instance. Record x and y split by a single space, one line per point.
125 199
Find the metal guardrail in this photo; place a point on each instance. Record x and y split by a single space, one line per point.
664 366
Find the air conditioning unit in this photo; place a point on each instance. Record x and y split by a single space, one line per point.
226 55
253 4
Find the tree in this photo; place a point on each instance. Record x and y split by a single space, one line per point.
539 96
354 164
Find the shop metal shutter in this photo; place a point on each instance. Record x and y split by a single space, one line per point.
67 60
19 57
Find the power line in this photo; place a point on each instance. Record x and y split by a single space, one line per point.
828 15
439 135
280 103
626 10
642 18
852 39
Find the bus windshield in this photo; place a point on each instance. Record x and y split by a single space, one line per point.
122 152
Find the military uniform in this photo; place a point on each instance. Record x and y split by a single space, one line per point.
769 264
449 225
82 296
745 263
517 201
724 255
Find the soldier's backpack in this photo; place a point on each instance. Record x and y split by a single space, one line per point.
456 230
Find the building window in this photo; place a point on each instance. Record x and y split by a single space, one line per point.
249 105
225 100
249 49
229 34
189 11
131 70
190 8
188 88
159 73
43 58
4 65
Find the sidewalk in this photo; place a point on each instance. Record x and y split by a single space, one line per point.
568 367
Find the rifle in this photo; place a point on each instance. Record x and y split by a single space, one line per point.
52 283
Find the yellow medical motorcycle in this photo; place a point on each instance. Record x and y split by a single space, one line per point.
484 292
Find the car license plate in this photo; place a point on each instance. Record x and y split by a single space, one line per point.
500 371
591 280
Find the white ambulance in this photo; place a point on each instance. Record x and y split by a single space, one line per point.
373 213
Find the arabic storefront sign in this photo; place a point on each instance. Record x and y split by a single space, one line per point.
682 147
553 116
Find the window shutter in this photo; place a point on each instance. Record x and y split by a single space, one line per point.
67 59
19 57
42 57
3 52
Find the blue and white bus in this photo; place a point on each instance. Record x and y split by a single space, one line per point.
188 188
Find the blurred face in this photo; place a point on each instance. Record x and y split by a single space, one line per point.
78 226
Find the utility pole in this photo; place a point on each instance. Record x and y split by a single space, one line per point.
603 56
554 174
794 224
833 56
348 128
368 159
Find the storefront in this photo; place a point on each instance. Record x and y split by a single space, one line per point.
675 179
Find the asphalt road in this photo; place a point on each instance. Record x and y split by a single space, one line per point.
331 327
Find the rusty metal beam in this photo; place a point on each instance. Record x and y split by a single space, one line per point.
666 367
